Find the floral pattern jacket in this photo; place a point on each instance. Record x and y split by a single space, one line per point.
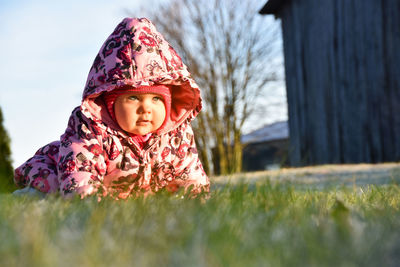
95 156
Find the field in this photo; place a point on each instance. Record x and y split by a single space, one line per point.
316 216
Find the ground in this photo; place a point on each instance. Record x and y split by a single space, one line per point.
322 176
331 215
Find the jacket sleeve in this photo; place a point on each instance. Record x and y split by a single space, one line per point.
189 170
81 165
40 171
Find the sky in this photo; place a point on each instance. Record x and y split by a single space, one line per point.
46 51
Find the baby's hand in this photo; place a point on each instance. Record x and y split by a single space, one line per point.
29 191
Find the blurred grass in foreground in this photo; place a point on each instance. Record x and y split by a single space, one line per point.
262 224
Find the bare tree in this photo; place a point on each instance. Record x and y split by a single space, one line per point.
227 46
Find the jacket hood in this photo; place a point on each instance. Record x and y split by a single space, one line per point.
136 54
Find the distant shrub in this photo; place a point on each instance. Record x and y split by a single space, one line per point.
6 169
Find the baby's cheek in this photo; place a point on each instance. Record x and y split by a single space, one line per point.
162 111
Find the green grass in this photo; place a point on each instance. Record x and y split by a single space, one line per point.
260 224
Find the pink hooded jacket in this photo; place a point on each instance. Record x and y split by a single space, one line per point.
95 156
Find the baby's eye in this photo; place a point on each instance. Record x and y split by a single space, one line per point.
157 98
133 97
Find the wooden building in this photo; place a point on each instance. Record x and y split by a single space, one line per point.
342 61
266 148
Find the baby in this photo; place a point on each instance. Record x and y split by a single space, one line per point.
131 135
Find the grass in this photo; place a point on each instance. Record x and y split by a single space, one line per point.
241 224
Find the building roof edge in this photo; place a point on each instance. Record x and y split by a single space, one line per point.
271 7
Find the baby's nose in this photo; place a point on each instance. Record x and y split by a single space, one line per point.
145 107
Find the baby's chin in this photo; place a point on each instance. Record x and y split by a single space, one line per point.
144 130
140 132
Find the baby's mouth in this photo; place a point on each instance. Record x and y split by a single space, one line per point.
142 122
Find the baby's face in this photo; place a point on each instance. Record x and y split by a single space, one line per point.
139 113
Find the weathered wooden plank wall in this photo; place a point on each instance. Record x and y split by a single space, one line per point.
342 61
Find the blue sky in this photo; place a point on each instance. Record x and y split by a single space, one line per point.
46 50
